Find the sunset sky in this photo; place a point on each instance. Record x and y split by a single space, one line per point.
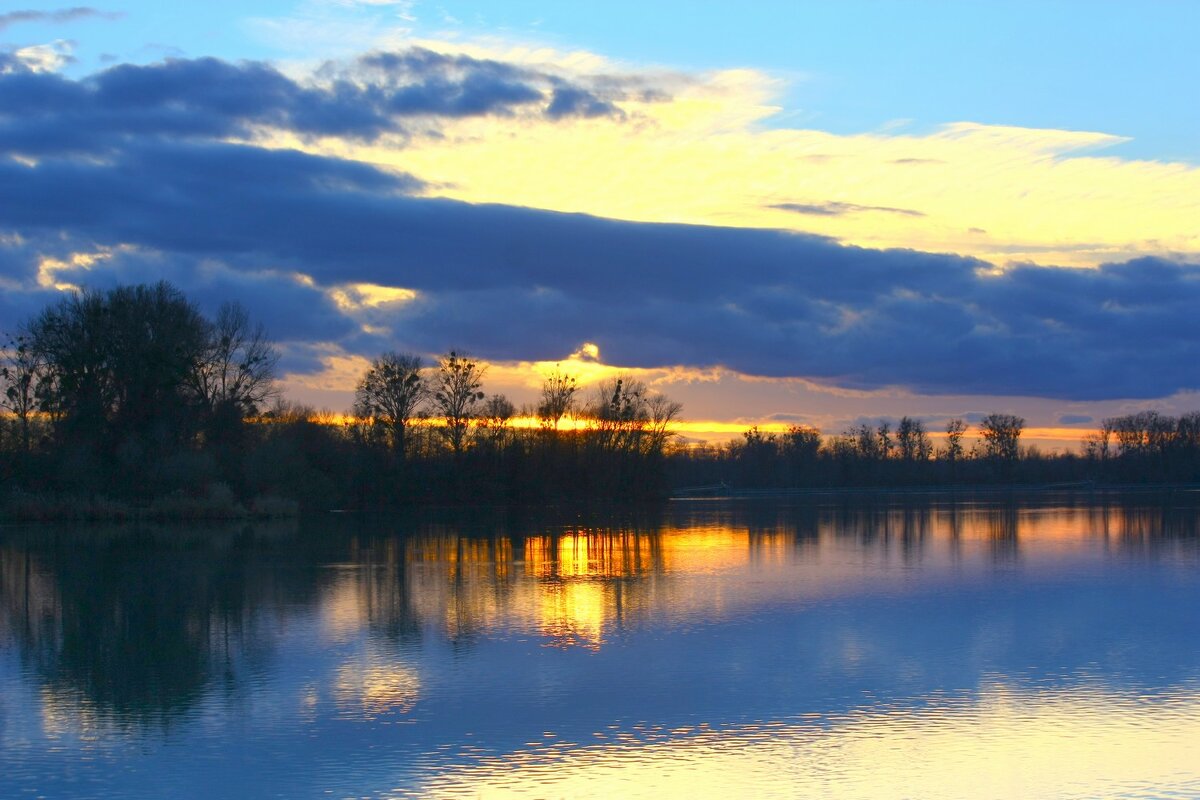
775 212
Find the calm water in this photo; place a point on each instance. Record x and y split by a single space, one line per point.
815 649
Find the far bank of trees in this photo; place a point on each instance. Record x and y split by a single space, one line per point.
1148 447
133 399
878 454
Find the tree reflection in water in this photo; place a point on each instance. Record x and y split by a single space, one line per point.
127 627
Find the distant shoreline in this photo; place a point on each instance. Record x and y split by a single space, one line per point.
1080 487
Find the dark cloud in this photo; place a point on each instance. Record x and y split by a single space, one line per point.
834 209
290 308
48 114
59 16
518 283
1074 419
221 220
570 101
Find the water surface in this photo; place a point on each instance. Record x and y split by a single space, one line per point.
837 647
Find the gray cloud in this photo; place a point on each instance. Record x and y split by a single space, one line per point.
10 18
835 209
48 114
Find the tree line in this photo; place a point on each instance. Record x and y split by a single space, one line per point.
1146 447
131 398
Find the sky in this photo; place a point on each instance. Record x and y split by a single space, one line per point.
775 212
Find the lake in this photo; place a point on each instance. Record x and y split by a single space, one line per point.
830 646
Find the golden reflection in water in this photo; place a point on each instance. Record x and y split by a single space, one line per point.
372 689
69 713
1006 742
573 587
572 576
574 613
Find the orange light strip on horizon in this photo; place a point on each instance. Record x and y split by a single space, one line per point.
720 430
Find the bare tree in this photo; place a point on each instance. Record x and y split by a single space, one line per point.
456 394
662 412
494 416
955 429
912 441
1098 446
886 445
390 394
802 443
1001 436
628 417
236 372
865 442
20 373
558 398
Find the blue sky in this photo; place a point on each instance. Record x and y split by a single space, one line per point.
776 212
1119 67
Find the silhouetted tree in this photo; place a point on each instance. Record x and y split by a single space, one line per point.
955 429
235 376
20 374
456 395
912 441
118 364
866 442
390 393
1001 436
885 439
494 417
558 398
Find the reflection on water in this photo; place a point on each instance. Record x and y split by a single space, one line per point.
1002 742
928 649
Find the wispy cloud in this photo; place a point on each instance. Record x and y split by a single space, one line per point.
10 18
836 209
43 57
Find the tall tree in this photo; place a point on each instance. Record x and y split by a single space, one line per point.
118 363
955 429
1001 436
20 374
912 441
456 395
628 417
390 393
237 370
494 418
558 398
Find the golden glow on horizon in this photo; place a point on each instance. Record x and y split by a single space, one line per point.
720 430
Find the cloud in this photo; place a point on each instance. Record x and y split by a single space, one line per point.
133 163
716 152
60 16
1075 419
513 283
835 209
207 98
